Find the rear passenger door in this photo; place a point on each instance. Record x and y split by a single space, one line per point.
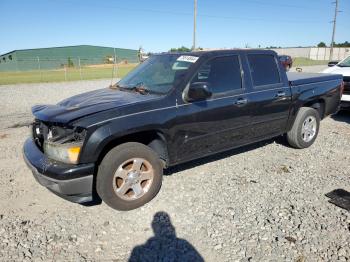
270 96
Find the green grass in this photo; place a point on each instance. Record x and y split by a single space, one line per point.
88 73
72 74
302 61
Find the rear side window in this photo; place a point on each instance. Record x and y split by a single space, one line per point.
222 73
264 70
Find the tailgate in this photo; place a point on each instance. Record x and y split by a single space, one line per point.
296 79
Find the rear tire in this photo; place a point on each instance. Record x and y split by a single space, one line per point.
305 128
129 176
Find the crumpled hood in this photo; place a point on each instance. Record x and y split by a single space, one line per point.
86 104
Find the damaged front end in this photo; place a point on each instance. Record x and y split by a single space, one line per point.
57 142
52 153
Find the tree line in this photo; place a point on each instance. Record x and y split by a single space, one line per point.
345 44
321 44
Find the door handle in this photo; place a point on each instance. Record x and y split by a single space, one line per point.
241 101
281 94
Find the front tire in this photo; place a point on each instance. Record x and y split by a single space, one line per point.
129 176
305 128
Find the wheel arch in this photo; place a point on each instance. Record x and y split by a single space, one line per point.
318 105
155 139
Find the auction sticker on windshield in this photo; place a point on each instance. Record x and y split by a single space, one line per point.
187 58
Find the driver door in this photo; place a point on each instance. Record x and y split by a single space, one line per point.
219 122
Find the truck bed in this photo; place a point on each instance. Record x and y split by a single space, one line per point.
297 79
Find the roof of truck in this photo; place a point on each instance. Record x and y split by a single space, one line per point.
220 51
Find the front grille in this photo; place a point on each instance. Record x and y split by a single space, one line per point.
46 132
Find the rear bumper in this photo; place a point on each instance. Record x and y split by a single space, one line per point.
345 101
71 182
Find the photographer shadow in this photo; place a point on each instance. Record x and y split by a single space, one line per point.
165 245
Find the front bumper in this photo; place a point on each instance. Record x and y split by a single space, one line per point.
71 182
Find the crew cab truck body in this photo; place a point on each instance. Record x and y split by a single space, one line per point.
173 108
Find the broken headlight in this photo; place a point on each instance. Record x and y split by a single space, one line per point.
64 144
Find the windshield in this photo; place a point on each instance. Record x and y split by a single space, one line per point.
158 73
345 62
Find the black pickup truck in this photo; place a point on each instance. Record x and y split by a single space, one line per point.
114 143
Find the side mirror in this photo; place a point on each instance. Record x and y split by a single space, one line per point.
332 63
198 91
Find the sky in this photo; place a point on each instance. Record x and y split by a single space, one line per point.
158 25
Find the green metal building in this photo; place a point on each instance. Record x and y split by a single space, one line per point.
66 56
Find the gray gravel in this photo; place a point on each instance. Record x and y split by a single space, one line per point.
264 202
16 100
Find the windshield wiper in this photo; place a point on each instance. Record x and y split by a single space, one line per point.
139 88
116 86
136 88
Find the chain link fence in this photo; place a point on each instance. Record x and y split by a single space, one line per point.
69 69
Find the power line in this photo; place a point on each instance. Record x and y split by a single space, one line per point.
175 13
261 19
282 5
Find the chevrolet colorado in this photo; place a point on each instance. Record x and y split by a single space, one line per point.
114 143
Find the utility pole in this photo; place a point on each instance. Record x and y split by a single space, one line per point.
334 28
194 25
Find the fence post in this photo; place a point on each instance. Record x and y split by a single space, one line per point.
81 78
65 72
114 66
39 68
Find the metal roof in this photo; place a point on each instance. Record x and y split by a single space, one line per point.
45 48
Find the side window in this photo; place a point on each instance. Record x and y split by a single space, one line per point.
264 70
222 73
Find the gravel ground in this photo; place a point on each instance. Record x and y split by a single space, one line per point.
264 202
